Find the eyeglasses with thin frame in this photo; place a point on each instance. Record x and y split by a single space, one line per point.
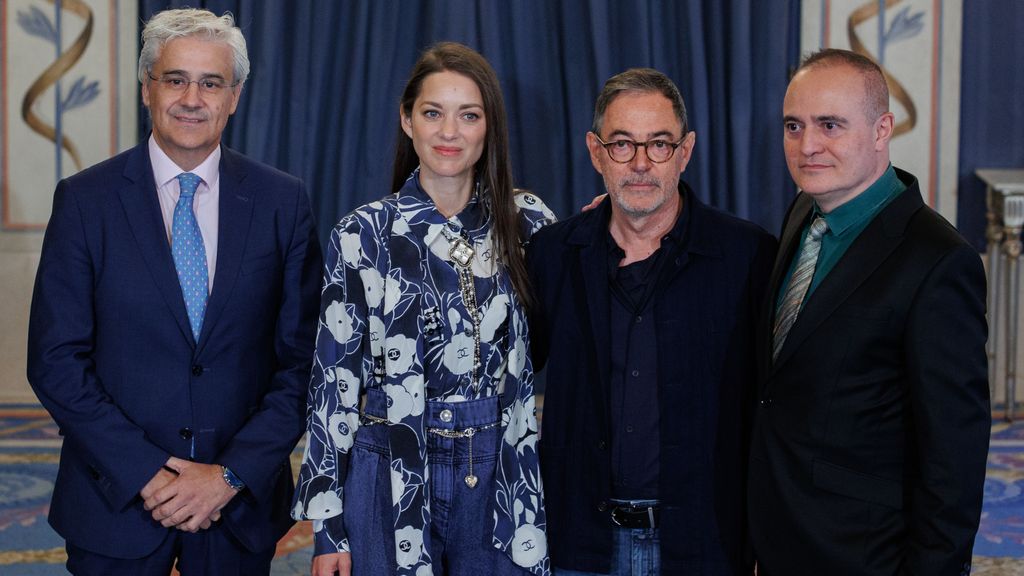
658 150
179 83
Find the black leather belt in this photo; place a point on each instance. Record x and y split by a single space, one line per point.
628 516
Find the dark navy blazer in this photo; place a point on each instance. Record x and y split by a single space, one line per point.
706 305
113 359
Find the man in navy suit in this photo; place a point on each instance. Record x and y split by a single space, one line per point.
646 308
873 420
172 328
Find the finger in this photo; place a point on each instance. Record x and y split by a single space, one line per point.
173 511
177 464
215 516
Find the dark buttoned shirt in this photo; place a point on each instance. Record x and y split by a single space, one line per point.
634 360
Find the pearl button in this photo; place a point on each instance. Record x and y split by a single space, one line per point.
446 415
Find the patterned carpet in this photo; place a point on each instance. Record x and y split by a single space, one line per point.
29 448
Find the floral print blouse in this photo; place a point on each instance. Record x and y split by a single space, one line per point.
392 318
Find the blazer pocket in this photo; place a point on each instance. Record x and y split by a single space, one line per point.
253 265
853 484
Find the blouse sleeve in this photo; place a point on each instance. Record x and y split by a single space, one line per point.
339 368
533 214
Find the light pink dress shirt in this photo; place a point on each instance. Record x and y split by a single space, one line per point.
205 205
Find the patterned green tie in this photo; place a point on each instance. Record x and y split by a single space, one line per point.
798 284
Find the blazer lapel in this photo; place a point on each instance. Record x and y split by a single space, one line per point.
236 206
593 269
860 261
142 209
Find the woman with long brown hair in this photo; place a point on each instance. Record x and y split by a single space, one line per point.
421 447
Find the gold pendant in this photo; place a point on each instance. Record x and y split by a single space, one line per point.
471 480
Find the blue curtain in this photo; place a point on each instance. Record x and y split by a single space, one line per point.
322 98
991 103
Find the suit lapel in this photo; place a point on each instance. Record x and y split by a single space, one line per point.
236 206
875 243
142 209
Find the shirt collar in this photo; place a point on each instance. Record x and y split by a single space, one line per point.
473 217
864 206
165 169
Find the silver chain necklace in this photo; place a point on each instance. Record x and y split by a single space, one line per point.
462 253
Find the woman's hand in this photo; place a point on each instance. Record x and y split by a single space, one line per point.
339 563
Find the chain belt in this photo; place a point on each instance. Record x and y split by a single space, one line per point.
470 479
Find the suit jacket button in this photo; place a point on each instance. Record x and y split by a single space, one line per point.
766 401
602 445
197 370
185 433
602 506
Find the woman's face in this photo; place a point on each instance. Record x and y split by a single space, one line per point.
447 126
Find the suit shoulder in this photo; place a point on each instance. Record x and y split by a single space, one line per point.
265 172
99 175
559 232
929 224
732 230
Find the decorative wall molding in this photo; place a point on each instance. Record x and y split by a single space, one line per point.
69 89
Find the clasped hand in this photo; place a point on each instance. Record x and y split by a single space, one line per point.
187 495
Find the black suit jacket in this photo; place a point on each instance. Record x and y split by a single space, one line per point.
706 308
871 436
112 356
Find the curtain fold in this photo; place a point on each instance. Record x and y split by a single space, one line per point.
322 98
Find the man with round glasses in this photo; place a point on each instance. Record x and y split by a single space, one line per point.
645 318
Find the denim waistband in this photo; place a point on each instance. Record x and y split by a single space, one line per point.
444 415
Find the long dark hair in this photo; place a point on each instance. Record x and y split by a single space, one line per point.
493 169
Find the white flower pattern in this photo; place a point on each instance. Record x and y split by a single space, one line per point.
392 319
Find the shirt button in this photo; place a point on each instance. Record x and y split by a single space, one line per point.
446 415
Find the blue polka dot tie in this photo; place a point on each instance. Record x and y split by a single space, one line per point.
189 253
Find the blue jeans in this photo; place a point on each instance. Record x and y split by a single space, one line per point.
461 518
635 552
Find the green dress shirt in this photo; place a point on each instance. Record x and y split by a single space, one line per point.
845 223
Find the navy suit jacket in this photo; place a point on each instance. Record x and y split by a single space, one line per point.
706 307
871 436
112 357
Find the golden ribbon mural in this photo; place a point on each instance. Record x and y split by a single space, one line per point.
52 74
866 12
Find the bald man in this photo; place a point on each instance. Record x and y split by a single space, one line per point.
871 432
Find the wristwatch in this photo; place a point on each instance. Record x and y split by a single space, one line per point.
231 479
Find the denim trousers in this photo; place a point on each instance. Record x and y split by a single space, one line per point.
461 518
635 552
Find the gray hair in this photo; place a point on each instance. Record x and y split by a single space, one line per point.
170 24
642 80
